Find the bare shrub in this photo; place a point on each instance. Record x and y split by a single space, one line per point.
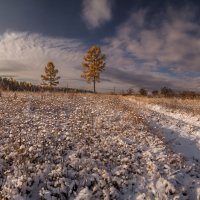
143 92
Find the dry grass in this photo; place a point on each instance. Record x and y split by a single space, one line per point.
191 106
58 144
186 105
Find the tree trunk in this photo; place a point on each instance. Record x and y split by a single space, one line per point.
94 85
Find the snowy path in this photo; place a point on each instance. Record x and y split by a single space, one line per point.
180 130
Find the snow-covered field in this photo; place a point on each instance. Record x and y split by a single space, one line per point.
96 147
179 128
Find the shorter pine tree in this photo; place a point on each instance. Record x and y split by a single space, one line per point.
50 78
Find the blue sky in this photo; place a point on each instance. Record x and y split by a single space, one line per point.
148 44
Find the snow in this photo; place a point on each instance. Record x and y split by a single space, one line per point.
84 194
91 147
181 130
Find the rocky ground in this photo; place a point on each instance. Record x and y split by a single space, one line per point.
87 147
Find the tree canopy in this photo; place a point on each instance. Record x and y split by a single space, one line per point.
94 64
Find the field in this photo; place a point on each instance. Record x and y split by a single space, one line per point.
191 106
85 146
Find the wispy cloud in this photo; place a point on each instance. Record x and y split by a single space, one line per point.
96 12
142 53
150 55
24 56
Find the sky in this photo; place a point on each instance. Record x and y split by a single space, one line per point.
148 44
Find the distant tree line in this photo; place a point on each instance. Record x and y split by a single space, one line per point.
168 92
10 84
164 92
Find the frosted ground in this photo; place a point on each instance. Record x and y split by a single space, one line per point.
96 147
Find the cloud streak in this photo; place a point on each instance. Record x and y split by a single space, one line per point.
96 12
156 54
24 55
142 53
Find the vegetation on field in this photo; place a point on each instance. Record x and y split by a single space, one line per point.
181 104
69 146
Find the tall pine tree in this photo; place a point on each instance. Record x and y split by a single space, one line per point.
94 64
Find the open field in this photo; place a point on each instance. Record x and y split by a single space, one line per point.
185 105
73 146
